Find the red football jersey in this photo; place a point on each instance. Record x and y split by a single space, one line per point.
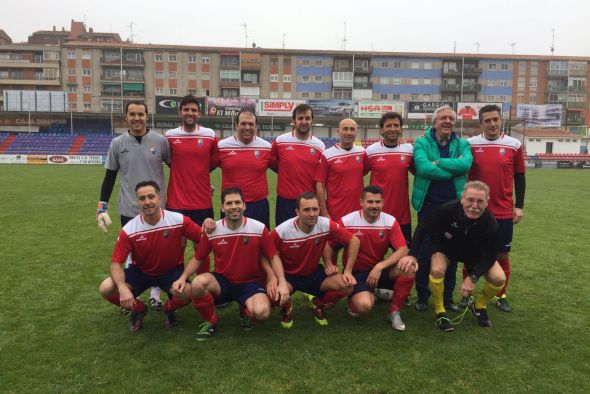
244 166
237 252
192 158
157 249
297 161
376 238
389 170
495 163
342 172
300 252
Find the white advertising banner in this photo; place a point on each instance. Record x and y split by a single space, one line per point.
13 159
281 108
374 109
74 159
545 115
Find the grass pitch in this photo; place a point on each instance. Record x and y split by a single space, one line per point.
57 335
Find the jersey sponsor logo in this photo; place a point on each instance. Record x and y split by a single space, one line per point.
177 141
338 161
381 234
403 158
153 150
358 159
317 241
479 150
124 151
257 154
312 151
200 141
289 148
502 151
245 240
166 234
232 153
222 242
381 158
448 235
358 232
294 246
141 238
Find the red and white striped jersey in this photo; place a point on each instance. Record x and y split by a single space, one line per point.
237 252
297 161
157 249
244 166
376 238
389 170
192 158
495 162
300 252
342 172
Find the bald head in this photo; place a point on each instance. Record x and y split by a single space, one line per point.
347 131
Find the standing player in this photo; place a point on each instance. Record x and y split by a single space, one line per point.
339 175
389 161
296 156
498 161
244 159
462 231
378 231
238 244
300 242
138 156
442 160
154 242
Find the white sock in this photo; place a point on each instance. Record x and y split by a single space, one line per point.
155 293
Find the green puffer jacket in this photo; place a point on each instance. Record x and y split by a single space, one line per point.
455 167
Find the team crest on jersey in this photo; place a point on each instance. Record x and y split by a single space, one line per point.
257 154
381 234
381 158
153 150
402 158
312 151
246 240
358 159
502 151
166 234
317 241
454 225
200 142
448 235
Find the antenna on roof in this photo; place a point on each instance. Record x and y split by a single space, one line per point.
512 44
477 45
131 35
552 41
344 39
284 35
245 34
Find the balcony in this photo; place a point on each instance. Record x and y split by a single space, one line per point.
126 62
342 79
363 69
577 89
132 77
575 105
455 87
362 85
8 63
577 73
467 71
557 73
31 82
246 91
229 83
556 89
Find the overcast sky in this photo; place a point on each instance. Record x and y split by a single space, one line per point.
406 26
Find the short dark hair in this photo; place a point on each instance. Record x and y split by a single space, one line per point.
489 108
147 183
231 190
135 102
306 196
246 111
390 115
373 189
188 100
302 108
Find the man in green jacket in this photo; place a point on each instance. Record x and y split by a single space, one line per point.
442 160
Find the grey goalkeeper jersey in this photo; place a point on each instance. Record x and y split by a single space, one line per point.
135 163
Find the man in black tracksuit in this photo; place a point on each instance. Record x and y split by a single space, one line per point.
463 231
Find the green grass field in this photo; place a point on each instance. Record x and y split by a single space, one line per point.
58 335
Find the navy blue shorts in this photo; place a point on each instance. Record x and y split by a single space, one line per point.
361 281
239 292
198 216
285 210
505 226
407 232
139 281
309 284
257 210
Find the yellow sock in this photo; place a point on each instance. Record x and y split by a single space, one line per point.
487 293
437 287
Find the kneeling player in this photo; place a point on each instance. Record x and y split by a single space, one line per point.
237 243
301 241
462 231
154 241
378 231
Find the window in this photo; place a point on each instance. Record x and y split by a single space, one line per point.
287 95
414 81
521 68
250 77
286 78
192 58
396 97
521 83
205 60
274 78
503 83
520 98
229 75
397 64
172 91
319 62
172 74
305 62
274 95
503 98
414 97
534 68
86 55
426 97
317 95
384 64
428 66
39 75
492 82
287 62
415 65
87 106
71 54
318 79
72 106
87 89
342 94
172 58
532 99
72 88
192 92
396 81
85 71
274 61
159 91
504 67
383 96
17 74
158 57
492 66
230 92
427 81
305 94
305 78
533 83
230 61
159 74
